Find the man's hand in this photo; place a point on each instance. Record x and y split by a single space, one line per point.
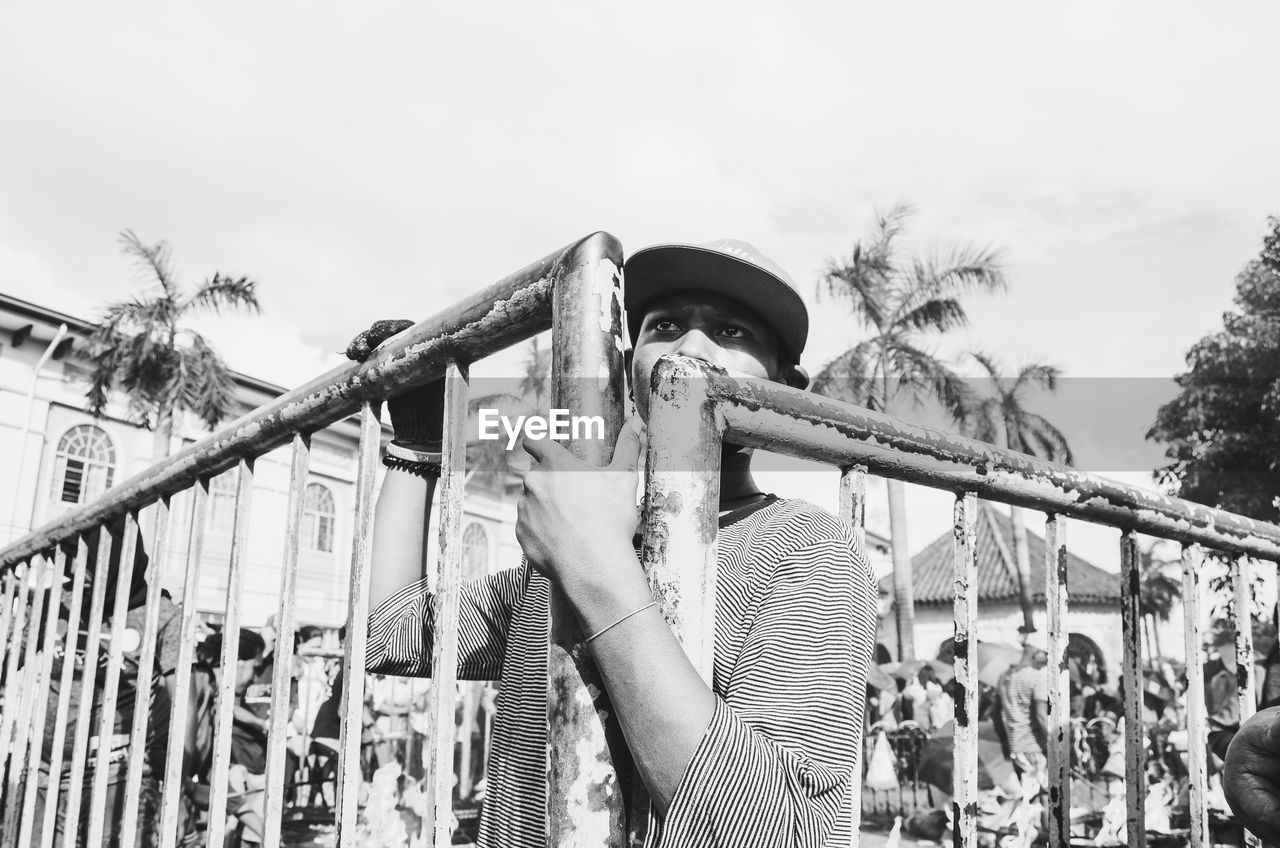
572 513
1251 777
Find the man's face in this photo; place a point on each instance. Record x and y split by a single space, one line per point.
705 326
245 670
1264 637
1039 659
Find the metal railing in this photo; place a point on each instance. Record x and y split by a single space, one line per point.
695 408
575 292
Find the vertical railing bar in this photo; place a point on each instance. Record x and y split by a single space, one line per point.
282 673
965 773
230 657
115 660
1197 721
58 745
41 689
162 515
355 650
853 511
11 581
171 797
15 646
443 696
1059 788
88 682
1135 737
31 693
1246 685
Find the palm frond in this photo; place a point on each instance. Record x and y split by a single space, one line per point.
857 283
967 269
1039 375
851 377
222 291
937 315
156 258
1039 437
921 375
213 389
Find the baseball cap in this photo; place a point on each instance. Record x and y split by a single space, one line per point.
728 267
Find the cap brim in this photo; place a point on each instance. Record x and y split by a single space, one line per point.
677 268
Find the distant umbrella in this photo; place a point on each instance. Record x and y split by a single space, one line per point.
937 759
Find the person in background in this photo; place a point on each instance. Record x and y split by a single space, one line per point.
155 684
1024 712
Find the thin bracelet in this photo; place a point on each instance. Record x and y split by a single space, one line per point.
600 633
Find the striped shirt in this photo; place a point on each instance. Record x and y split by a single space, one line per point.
1019 690
795 628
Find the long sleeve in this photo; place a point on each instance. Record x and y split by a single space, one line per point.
400 629
775 767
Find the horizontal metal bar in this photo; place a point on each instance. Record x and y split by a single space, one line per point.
773 417
506 313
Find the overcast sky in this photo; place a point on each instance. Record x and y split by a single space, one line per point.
390 160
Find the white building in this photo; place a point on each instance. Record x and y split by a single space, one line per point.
55 456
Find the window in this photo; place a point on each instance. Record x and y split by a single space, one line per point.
222 501
317 518
84 465
475 552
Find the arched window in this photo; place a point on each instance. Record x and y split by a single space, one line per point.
222 501
475 552
317 518
85 464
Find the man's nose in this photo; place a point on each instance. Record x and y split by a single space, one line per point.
697 345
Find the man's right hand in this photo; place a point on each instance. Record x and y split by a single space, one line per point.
1251 777
417 416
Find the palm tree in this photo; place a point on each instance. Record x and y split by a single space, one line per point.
1158 591
162 367
902 300
537 374
1000 417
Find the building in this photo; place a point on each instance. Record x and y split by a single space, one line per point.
55 456
1093 618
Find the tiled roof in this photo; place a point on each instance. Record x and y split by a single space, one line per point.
933 567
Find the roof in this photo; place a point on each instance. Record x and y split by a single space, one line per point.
933 568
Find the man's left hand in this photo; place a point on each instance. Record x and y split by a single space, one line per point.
573 514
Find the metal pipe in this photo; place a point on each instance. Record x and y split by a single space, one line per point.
227 696
964 804
1059 671
146 666
773 417
443 697
88 682
585 792
171 793
57 745
26 421
1197 721
282 671
1135 742
506 313
356 648
127 545
853 511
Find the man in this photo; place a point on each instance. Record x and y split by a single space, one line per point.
764 756
1024 708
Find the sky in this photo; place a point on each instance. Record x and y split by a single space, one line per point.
389 161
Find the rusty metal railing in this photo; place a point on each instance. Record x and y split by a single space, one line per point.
574 292
695 408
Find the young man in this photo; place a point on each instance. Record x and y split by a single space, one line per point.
765 756
1024 704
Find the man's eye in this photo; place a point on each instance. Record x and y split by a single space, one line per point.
665 326
733 332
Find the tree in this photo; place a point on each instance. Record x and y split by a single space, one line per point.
1222 431
141 347
537 374
902 300
1000 416
1158 591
